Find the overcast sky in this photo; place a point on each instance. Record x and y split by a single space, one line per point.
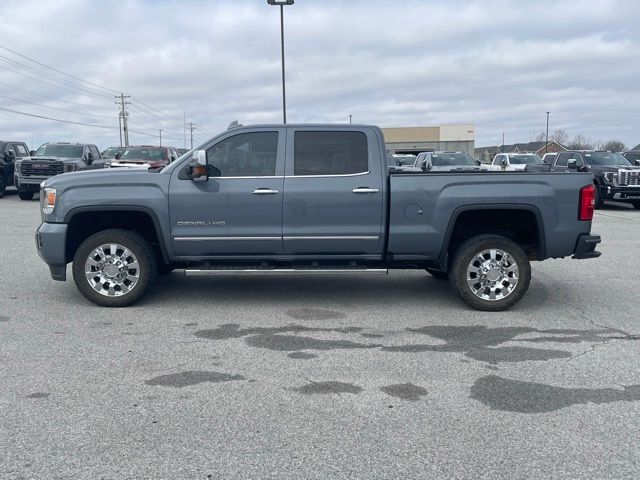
498 64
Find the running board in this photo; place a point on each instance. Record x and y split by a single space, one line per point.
288 271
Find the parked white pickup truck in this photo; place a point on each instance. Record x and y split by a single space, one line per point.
514 162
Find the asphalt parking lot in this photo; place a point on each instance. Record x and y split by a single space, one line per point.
344 377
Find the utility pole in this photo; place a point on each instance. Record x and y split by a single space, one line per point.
281 4
546 145
502 148
160 137
124 114
120 127
192 127
349 119
184 128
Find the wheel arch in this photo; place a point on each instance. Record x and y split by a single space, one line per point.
105 217
492 209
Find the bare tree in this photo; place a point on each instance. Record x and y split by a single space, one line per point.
580 142
540 137
613 146
560 136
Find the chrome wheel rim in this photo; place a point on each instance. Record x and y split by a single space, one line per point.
492 274
112 270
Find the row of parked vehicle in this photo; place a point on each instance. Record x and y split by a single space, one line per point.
27 169
616 175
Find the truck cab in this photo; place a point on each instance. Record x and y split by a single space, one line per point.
10 153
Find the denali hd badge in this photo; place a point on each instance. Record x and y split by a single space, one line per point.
200 223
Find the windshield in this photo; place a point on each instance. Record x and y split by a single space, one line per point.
143 153
53 150
524 159
632 156
605 158
111 152
452 160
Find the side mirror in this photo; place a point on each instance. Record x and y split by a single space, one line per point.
637 162
11 154
198 171
89 158
504 163
173 157
584 168
572 164
32 152
117 155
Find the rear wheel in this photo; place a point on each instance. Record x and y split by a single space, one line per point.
599 201
490 272
114 268
636 205
25 194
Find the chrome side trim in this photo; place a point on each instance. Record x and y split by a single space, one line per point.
248 178
328 176
196 239
263 271
344 237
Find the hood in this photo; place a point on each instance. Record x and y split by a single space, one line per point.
614 168
103 176
49 158
138 163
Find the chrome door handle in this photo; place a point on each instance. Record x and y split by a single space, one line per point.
264 191
365 190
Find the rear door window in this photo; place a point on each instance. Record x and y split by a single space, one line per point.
562 159
330 153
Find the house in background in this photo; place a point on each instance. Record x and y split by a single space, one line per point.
486 154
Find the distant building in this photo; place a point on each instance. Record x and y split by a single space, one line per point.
448 138
486 154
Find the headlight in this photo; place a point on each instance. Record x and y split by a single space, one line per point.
48 200
70 167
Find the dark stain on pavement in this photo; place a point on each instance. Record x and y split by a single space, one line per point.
323 388
405 391
38 395
315 314
527 397
474 341
191 324
301 355
4 318
191 377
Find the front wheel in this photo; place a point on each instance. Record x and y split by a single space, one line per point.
26 194
490 272
114 268
3 183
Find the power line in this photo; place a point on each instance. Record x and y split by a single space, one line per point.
57 119
56 70
54 99
67 87
54 108
49 76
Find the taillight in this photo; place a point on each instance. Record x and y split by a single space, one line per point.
587 203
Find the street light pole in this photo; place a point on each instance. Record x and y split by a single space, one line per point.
546 146
160 137
281 4
349 119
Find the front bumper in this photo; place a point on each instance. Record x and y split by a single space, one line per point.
622 193
29 183
51 245
586 246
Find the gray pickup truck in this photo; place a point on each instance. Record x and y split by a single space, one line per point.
309 199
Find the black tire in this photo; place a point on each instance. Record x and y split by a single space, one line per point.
138 246
26 194
471 249
439 274
636 205
599 201
3 183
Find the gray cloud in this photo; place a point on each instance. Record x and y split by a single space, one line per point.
499 64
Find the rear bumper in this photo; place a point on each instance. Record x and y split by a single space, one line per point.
586 247
51 243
